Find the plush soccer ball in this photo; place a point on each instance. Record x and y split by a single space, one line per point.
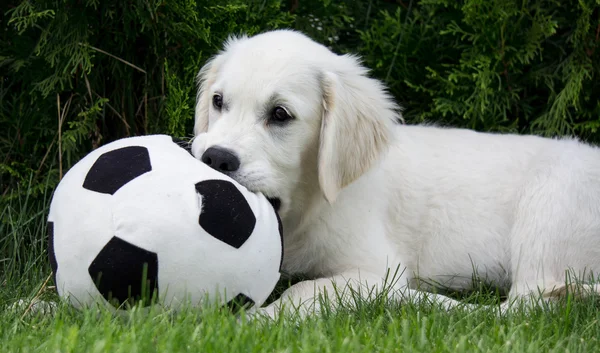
141 216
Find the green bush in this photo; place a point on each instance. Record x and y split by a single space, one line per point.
78 74
493 65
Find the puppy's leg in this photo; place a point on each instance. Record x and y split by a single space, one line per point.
306 298
578 291
444 302
556 233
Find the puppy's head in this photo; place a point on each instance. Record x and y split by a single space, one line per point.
283 115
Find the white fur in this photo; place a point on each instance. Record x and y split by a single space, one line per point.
363 194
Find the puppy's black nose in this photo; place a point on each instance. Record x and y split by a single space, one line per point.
221 159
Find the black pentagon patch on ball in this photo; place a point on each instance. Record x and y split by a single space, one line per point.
241 301
114 169
123 272
51 254
186 145
226 214
280 226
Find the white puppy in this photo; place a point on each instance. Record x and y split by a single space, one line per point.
361 194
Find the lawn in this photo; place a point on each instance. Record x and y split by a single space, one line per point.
369 328
378 326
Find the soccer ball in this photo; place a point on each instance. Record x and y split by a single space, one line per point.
141 216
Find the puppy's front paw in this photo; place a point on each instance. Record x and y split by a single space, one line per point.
269 312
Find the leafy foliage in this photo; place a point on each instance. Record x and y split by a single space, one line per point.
77 74
495 65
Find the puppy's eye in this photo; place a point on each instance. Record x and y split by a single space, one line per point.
280 115
217 101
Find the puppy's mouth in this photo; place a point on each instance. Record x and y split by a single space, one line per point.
252 187
275 202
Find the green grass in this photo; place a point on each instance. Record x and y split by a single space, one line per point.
378 326
369 328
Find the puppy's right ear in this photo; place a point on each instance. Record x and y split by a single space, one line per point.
205 79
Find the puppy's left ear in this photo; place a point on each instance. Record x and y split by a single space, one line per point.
357 125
